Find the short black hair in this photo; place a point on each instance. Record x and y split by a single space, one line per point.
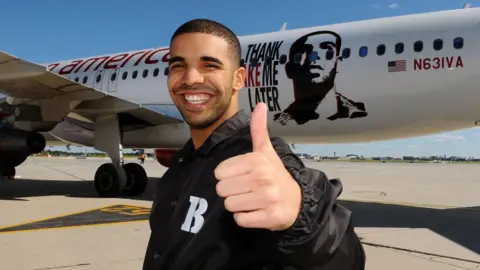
213 28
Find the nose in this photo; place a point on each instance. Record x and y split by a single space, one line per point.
192 77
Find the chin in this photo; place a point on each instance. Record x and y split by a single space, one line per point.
202 121
197 120
199 124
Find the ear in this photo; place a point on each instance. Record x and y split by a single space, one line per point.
239 77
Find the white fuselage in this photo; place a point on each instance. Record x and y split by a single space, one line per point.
437 92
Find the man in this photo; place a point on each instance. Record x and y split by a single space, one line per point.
142 158
235 198
314 78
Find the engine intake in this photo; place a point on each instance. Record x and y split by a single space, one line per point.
16 145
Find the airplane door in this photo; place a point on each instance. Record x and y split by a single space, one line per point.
112 80
97 80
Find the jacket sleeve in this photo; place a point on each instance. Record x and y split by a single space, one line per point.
322 237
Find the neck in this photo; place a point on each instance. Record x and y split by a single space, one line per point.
199 136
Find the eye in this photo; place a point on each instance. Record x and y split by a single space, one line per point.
211 66
172 66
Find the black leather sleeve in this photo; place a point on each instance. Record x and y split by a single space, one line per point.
322 237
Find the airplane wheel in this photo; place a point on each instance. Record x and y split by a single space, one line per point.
8 173
109 180
137 179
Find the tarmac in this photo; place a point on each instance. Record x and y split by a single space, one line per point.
409 216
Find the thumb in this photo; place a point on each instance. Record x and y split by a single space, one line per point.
258 129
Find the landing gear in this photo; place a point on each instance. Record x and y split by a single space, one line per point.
137 179
116 178
110 179
7 173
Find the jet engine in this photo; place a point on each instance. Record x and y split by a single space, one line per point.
15 146
165 156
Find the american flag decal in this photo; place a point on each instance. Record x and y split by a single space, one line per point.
396 66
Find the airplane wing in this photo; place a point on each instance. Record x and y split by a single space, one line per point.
56 96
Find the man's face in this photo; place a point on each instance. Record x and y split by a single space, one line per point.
202 78
315 62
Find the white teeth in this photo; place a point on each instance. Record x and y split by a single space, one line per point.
197 99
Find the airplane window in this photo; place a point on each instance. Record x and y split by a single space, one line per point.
437 44
297 58
124 75
363 51
165 72
329 55
283 59
458 43
85 79
155 72
113 77
134 74
77 79
99 77
313 56
399 47
381 49
145 73
418 46
346 53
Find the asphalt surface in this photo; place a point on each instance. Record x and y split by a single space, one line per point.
409 216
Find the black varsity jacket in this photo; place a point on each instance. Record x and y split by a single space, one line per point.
191 229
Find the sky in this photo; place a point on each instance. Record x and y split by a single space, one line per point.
47 31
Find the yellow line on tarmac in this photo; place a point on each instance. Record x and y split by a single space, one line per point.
67 215
72 226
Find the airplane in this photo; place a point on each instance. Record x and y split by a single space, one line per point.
361 81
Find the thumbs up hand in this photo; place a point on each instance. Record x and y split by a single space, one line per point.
256 186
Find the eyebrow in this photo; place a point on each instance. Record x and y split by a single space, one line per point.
176 59
203 58
211 59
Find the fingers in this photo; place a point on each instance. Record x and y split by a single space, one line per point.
243 203
237 165
250 201
235 186
254 219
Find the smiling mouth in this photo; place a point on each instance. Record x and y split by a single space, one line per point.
197 99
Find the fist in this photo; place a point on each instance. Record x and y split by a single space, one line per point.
256 186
